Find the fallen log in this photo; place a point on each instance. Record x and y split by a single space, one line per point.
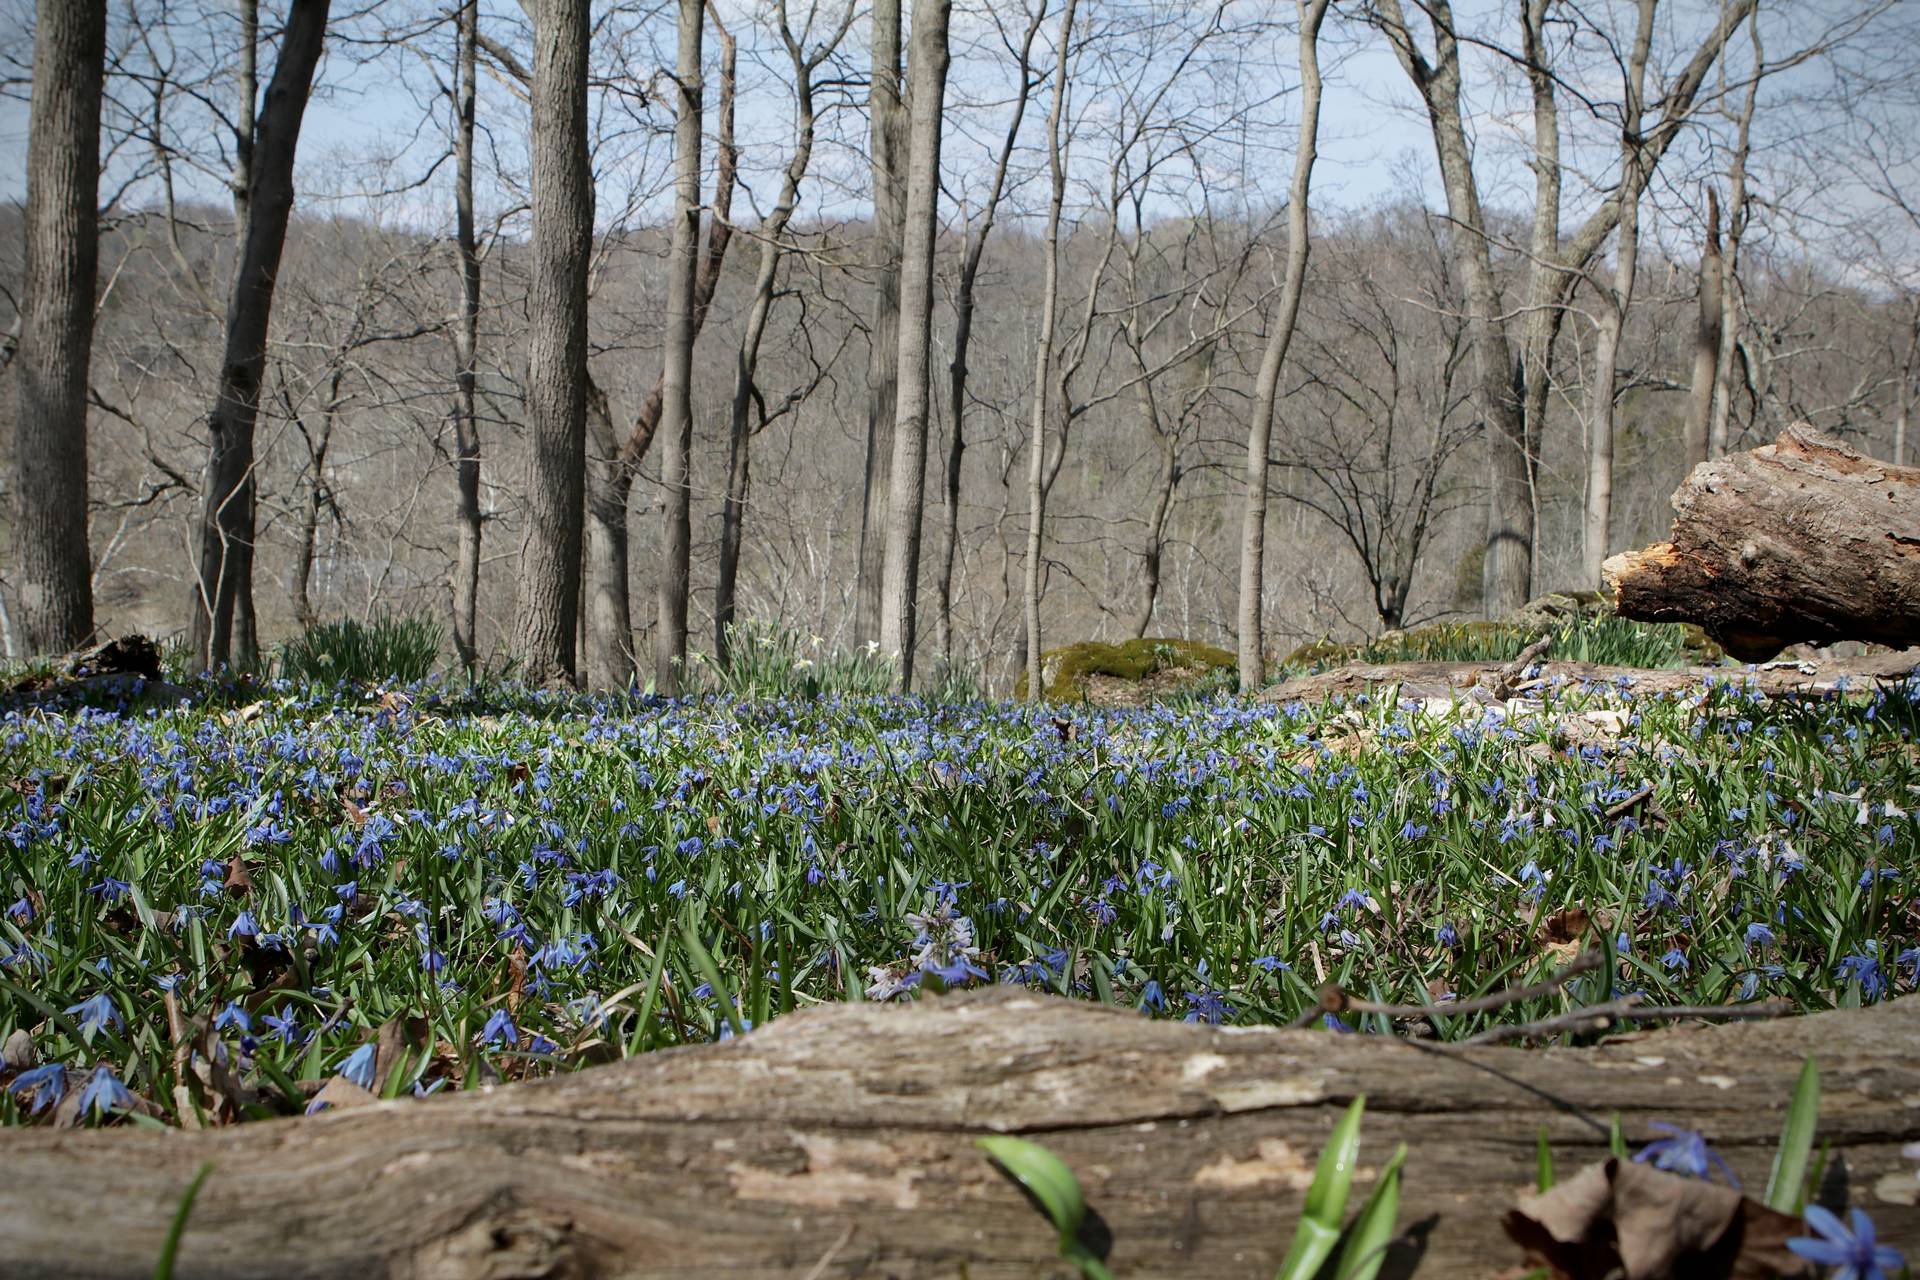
838 1142
1800 541
1420 680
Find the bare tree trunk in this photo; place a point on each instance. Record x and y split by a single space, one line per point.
613 465
1266 387
906 498
1718 435
55 346
548 599
746 360
611 661
1166 475
466 346
1706 339
1909 378
963 306
224 593
1513 399
887 125
676 412
1613 316
1043 361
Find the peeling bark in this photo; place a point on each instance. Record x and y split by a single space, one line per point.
1800 541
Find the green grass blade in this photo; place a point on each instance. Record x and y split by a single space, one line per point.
1542 1163
1786 1185
1048 1179
710 973
163 1269
1372 1231
1319 1228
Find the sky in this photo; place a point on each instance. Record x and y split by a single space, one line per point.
377 124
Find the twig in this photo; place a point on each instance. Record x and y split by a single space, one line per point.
1617 810
1334 1000
1628 1009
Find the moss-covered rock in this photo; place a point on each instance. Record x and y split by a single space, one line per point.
1128 672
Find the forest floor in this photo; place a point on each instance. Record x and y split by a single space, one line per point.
260 900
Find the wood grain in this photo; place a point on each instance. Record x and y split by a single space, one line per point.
838 1142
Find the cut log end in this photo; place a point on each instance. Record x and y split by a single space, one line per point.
1803 541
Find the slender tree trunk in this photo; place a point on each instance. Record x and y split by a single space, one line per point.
611 661
548 599
1718 433
1613 316
613 465
1909 385
225 590
466 347
55 345
1706 339
1266 387
887 125
676 412
1547 285
906 498
963 308
1166 475
746 360
1043 362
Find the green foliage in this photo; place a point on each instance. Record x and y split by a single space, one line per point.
1605 640
1068 667
1787 1183
389 649
1319 1227
170 1249
1054 1188
767 660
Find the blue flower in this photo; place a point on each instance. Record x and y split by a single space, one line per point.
1684 1152
1758 935
110 890
105 1093
500 1031
1863 968
358 1068
285 1025
1152 998
96 1012
1447 936
48 1082
1855 1254
244 926
232 1016
1210 1007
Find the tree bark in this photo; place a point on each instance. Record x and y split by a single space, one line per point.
906 497
676 407
1043 363
466 346
548 599
613 464
1800 541
1706 340
1266 387
733 513
54 589
887 127
838 1142
963 307
223 600
1616 301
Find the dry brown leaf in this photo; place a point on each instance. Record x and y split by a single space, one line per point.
1622 1217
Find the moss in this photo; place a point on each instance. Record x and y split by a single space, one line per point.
1065 671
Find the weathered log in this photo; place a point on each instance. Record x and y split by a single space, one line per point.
1826 678
1801 540
838 1142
